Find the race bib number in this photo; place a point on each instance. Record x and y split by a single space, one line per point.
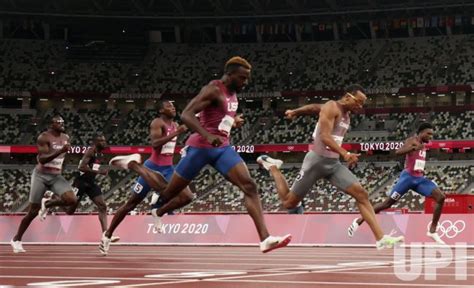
138 187
226 124
168 148
419 165
95 167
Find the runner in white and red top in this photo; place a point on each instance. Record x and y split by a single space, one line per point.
323 160
412 178
53 145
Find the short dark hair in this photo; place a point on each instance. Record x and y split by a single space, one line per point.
353 88
97 135
423 126
55 116
160 105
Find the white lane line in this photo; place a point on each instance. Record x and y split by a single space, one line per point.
345 284
159 283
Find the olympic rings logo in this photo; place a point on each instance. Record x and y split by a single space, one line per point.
449 229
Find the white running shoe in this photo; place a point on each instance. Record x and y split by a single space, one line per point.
388 241
435 237
43 211
157 221
353 228
274 242
267 162
123 161
17 246
154 198
104 244
114 239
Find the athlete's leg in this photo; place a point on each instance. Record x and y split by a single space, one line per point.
132 202
439 197
289 199
311 171
63 189
428 188
70 210
182 199
365 208
37 190
380 207
192 161
156 181
102 210
240 176
26 221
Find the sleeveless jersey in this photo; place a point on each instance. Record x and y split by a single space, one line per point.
94 164
54 166
164 156
339 130
415 162
217 120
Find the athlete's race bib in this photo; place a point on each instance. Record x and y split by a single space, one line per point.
419 165
168 148
226 124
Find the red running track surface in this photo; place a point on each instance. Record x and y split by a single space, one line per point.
220 267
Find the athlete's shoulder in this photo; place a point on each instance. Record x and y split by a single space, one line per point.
64 135
43 137
213 87
91 150
157 122
411 139
330 104
330 107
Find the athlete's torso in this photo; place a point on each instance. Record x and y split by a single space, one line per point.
55 143
164 155
217 119
415 162
340 128
94 164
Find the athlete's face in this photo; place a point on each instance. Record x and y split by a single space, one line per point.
57 124
355 101
168 109
426 135
100 142
239 79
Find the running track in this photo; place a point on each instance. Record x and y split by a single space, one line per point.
218 267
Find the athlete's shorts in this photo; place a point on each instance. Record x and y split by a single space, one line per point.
141 187
315 167
41 182
193 159
420 185
88 188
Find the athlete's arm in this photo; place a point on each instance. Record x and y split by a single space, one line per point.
206 97
238 121
83 167
44 156
310 109
410 145
327 117
158 139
